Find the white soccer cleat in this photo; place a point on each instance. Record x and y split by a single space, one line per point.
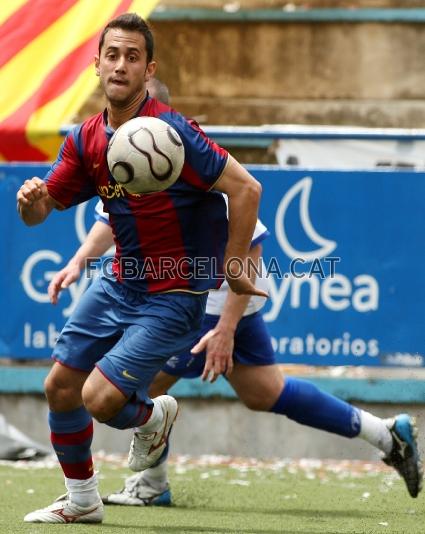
139 492
146 447
64 511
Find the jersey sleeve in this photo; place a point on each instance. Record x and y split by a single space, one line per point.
67 180
260 233
204 159
99 214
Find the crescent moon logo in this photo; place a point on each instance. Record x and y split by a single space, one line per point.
324 246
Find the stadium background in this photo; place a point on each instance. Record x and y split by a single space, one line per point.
230 64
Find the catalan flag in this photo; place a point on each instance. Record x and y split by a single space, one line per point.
47 50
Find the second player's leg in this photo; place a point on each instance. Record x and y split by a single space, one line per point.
303 402
161 384
257 386
263 388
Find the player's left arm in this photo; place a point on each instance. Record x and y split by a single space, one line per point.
219 342
244 193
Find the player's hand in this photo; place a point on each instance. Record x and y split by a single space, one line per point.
218 345
238 279
62 280
243 286
30 192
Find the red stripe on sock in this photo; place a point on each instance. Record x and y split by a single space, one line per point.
149 410
74 438
80 470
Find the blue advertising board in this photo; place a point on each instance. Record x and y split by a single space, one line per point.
343 260
30 258
344 263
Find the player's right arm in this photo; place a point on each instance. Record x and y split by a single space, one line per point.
34 202
66 184
244 193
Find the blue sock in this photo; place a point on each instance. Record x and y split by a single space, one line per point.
132 414
306 404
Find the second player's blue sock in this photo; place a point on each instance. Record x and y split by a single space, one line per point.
305 403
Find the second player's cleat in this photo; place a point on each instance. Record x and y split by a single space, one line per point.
65 511
404 456
147 447
138 492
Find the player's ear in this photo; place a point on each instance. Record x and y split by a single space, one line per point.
150 71
96 64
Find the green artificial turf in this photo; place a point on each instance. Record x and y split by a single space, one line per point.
276 498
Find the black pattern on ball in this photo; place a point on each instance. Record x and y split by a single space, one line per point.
128 168
159 177
173 138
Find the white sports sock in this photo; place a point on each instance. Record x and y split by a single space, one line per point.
157 476
83 492
153 420
375 431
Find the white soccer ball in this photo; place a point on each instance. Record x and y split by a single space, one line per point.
145 155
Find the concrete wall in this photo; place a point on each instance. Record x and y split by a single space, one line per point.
217 426
366 74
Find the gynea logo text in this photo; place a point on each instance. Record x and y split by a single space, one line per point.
337 292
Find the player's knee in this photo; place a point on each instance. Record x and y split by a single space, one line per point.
257 403
260 400
60 394
99 404
50 390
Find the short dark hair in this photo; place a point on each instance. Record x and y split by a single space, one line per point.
134 23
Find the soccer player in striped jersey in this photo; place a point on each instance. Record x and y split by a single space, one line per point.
129 324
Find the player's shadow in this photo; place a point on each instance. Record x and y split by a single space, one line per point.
185 529
314 514
302 512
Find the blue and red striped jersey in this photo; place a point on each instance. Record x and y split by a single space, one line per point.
172 240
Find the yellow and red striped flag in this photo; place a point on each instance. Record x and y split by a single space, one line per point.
47 50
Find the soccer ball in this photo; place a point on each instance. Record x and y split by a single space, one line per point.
145 155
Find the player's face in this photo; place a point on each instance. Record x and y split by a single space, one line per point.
122 66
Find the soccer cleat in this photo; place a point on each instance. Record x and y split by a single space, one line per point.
404 456
147 447
64 511
138 492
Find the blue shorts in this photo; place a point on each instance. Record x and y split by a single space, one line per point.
129 335
252 347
